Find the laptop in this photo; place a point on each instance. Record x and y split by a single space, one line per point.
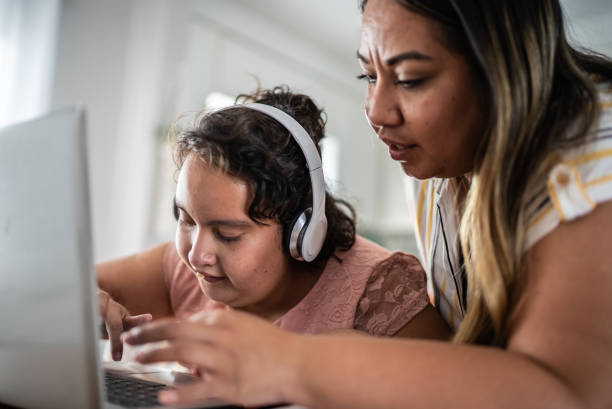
49 332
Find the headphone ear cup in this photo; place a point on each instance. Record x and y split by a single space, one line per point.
294 235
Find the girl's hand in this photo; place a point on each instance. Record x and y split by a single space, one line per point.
243 359
115 319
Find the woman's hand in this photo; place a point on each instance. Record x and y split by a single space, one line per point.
243 359
115 319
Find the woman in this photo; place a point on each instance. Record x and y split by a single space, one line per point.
243 181
508 130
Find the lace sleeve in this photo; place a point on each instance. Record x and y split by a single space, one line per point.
395 293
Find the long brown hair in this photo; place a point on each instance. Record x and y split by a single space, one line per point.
543 101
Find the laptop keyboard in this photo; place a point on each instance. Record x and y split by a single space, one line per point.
131 392
136 393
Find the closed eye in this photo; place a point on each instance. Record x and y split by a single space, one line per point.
227 238
409 84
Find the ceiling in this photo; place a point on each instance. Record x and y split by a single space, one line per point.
334 24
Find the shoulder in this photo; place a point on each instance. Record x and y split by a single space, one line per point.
364 252
399 269
355 265
566 299
395 292
579 182
369 260
332 302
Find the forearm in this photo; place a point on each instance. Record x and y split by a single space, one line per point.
137 282
361 372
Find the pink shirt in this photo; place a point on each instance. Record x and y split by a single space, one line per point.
371 290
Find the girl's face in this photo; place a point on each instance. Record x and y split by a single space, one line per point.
431 109
237 262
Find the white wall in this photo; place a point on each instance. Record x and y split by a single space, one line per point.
90 67
137 64
110 61
28 39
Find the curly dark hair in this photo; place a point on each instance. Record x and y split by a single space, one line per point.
254 147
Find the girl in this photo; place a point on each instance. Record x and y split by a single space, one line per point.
243 181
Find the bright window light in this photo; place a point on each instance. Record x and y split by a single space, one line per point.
217 100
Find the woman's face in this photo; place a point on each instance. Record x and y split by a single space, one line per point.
237 262
428 102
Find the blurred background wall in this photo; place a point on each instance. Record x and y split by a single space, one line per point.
136 65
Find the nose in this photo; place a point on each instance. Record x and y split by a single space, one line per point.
202 253
382 108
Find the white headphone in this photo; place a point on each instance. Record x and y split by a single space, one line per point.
308 231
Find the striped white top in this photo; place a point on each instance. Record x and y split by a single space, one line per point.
575 185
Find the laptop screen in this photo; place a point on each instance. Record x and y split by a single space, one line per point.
48 339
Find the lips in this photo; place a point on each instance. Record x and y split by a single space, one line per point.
400 152
209 278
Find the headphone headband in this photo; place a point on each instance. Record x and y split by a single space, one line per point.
307 243
313 160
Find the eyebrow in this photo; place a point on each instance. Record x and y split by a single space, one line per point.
219 222
409 55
